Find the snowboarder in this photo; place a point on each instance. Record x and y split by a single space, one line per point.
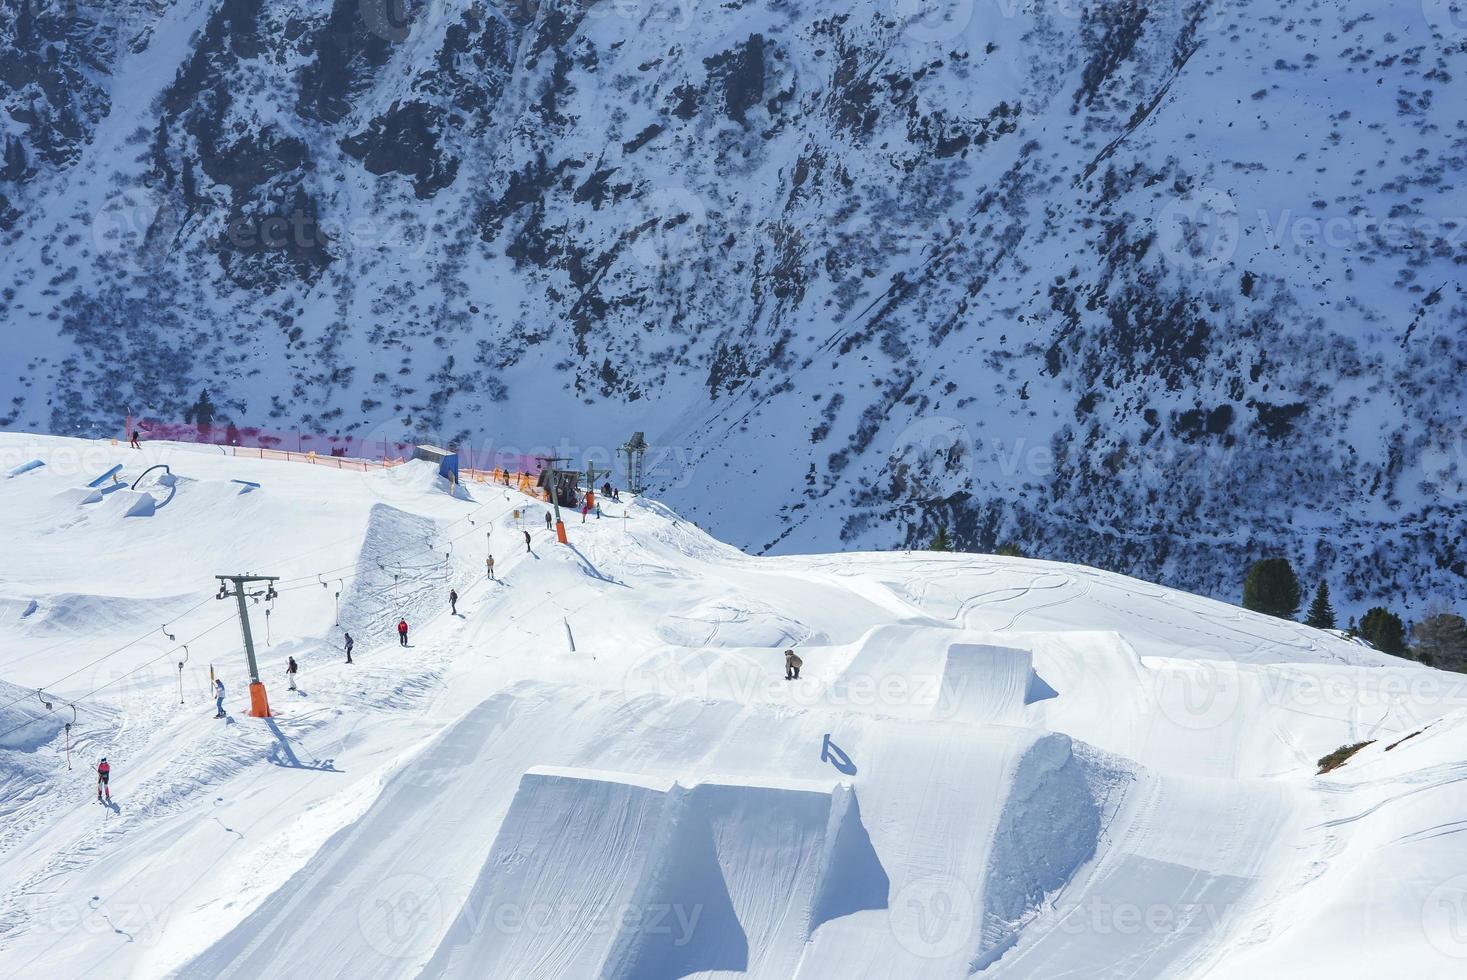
134 442
585 509
349 645
453 601
290 670
218 698
104 773
548 522
402 631
527 542
792 665
489 567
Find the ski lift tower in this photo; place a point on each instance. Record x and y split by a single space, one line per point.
635 448
553 491
259 703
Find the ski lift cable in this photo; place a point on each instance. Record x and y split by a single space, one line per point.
147 663
88 666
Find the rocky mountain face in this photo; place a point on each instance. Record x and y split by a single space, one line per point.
1163 287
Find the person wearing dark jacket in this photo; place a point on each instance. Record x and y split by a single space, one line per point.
349 645
453 601
290 670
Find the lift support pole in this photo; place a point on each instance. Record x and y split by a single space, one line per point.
259 703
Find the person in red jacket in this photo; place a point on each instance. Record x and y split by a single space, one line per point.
402 631
104 772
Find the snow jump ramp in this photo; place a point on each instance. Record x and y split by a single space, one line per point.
602 875
940 674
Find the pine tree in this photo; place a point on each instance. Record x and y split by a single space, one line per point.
941 542
1009 550
1384 630
1271 587
1321 613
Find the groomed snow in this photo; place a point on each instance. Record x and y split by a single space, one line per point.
989 766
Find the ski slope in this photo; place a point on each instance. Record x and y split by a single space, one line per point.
989 767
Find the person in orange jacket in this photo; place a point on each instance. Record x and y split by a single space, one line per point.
402 631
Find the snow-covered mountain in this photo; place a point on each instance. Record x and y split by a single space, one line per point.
1159 287
595 767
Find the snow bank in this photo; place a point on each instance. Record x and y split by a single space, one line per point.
25 723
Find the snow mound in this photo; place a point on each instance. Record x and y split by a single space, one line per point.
643 879
1049 827
733 622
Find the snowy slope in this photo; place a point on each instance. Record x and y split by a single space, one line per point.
1156 287
991 767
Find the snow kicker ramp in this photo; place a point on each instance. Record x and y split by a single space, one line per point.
940 677
609 876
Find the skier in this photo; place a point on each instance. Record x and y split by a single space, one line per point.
290 671
104 773
402 631
527 542
585 509
134 442
548 522
218 698
489 567
349 645
792 665
453 601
